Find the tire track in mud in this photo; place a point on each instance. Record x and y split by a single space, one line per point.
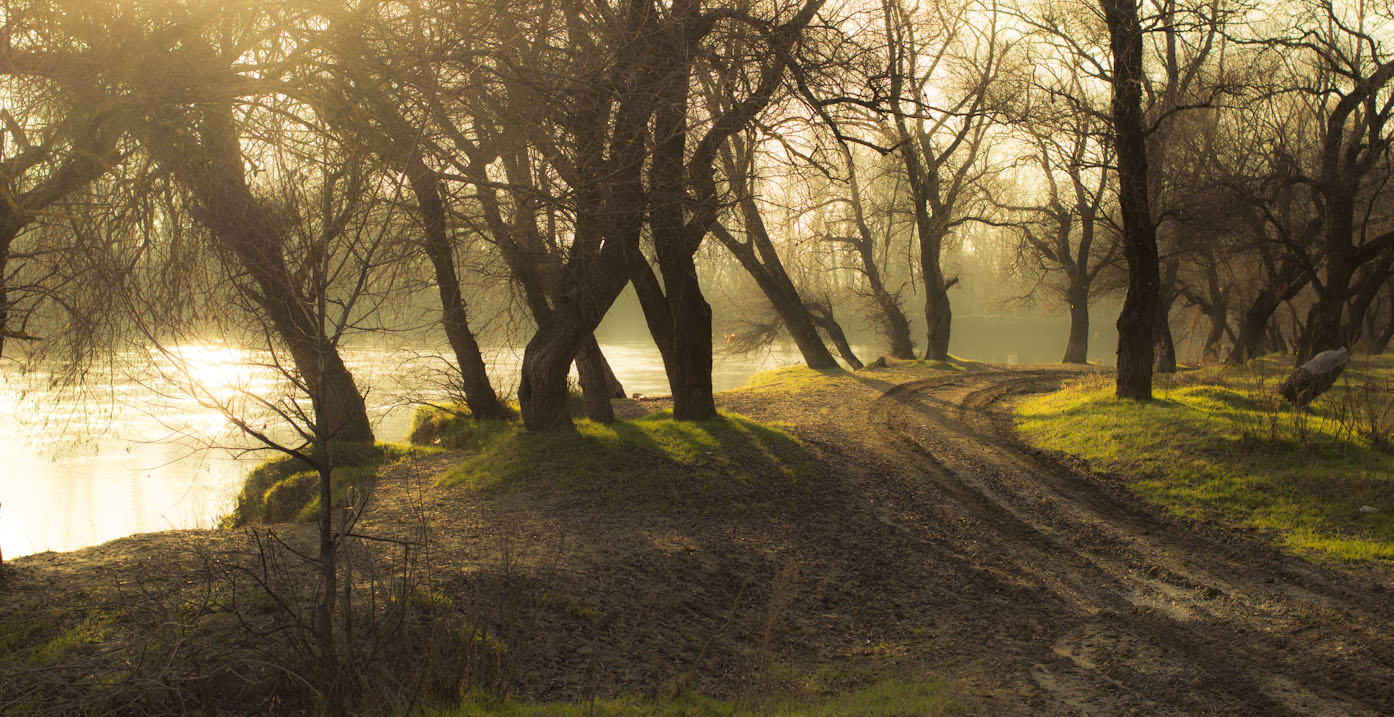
1147 612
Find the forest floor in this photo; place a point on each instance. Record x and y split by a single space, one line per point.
928 545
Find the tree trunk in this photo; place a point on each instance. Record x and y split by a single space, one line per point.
775 284
542 390
1286 282
612 206
1379 342
8 231
692 347
1077 347
1164 347
897 327
674 242
822 314
538 271
657 315
1363 294
1219 324
940 318
938 314
1139 232
483 401
596 381
1325 330
210 165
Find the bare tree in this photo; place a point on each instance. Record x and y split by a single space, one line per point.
1139 231
757 254
1342 73
1061 233
941 142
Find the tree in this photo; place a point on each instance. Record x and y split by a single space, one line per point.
757 254
195 101
1350 94
626 126
1061 234
1139 233
941 145
872 255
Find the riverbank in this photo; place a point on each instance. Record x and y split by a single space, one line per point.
920 555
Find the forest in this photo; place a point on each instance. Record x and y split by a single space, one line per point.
285 172
298 175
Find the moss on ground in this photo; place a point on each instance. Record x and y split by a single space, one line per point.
285 489
654 463
887 697
1218 444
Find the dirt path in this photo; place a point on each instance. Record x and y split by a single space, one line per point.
1115 608
930 544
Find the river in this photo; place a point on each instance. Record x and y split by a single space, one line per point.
134 453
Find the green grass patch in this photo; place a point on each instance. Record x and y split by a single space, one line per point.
653 463
793 378
284 489
885 698
454 428
1218 444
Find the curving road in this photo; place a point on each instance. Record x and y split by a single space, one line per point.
1099 603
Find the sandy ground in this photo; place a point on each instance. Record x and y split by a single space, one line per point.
930 544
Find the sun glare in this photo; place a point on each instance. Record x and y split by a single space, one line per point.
214 368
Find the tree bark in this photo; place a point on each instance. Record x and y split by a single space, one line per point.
1325 329
1379 342
939 316
598 383
822 314
1363 294
8 231
542 390
1139 233
483 401
1077 346
1164 347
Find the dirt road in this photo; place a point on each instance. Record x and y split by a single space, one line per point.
930 544
1097 603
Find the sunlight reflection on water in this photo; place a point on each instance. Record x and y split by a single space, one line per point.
136 453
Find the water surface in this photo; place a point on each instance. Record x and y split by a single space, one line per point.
138 453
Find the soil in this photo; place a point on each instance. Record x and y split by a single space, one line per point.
930 545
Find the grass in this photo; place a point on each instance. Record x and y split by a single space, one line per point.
888 697
654 463
1217 444
37 642
454 428
285 489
